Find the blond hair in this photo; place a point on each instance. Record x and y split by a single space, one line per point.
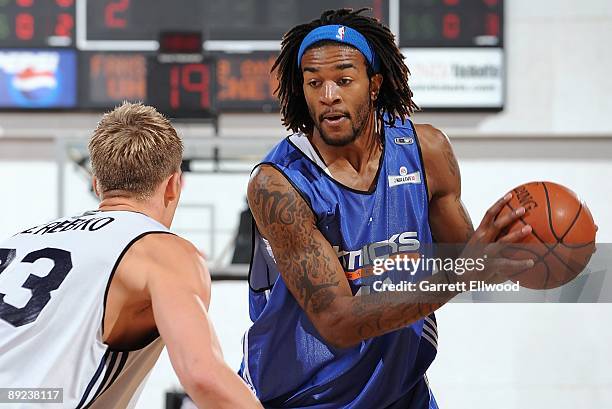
133 149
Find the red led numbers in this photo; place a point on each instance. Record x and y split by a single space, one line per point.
64 3
24 26
114 13
192 78
64 25
451 25
492 24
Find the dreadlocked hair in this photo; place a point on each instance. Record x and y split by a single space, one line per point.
395 96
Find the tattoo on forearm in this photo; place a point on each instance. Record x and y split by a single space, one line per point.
380 313
307 289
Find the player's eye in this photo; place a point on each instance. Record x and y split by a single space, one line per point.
313 83
345 81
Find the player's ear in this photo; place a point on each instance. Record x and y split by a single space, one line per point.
94 186
173 188
375 84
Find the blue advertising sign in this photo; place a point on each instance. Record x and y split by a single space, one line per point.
33 79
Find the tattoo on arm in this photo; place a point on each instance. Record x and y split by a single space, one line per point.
377 314
306 287
288 223
274 206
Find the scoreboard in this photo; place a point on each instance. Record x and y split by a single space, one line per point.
37 23
454 50
93 54
224 82
450 23
235 20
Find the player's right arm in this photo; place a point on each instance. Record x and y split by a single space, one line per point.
179 286
311 270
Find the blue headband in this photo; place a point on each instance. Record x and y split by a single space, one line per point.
343 35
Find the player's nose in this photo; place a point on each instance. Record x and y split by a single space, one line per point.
330 93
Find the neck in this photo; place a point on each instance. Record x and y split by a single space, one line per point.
124 203
366 148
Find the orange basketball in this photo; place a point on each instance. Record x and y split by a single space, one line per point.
563 236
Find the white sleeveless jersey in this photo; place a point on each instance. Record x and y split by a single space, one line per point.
54 280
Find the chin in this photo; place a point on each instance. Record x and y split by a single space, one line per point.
337 138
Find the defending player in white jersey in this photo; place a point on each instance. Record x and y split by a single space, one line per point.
87 302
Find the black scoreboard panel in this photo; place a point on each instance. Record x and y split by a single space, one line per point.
239 82
108 78
244 82
52 57
182 90
270 19
138 20
451 23
141 20
37 23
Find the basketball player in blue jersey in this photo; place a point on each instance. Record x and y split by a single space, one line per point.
356 181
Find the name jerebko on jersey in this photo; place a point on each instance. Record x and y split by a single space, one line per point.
83 224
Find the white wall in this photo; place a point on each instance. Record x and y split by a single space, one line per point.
510 356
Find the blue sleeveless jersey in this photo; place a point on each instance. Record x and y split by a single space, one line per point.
286 361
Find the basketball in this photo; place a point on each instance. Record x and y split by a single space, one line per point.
562 239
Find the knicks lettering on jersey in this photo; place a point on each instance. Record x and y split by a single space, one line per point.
358 264
83 224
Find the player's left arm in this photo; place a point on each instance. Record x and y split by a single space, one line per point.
178 283
448 218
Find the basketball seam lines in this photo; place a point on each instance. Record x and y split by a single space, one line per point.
550 223
577 246
549 249
559 240
535 234
573 222
525 223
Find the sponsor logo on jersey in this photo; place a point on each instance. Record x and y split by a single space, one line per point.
404 141
405 177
